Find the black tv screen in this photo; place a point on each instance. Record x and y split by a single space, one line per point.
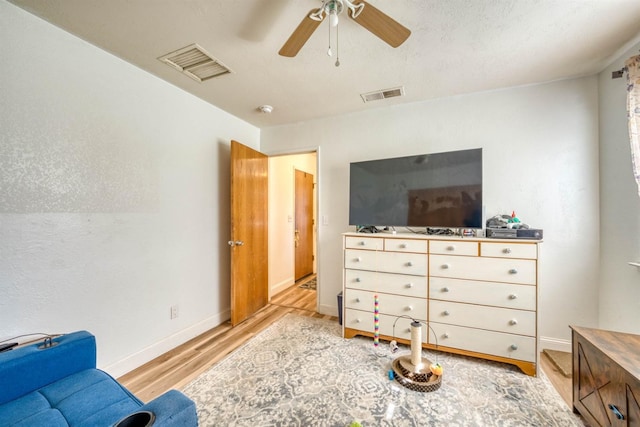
427 190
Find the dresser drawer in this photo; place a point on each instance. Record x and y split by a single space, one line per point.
520 322
389 262
370 243
402 263
363 321
395 305
453 247
489 342
508 295
415 286
405 245
509 250
480 268
359 299
360 259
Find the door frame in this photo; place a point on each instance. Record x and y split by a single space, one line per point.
317 210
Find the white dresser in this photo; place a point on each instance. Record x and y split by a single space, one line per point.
478 295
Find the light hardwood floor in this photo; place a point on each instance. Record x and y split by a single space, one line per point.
179 366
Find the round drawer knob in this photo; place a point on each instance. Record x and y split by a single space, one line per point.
403 246
358 259
445 289
409 285
409 264
361 243
506 250
451 248
513 296
358 320
409 308
358 279
514 346
408 330
357 299
446 312
513 322
445 335
513 271
445 266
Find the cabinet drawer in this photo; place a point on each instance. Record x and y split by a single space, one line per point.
521 271
509 250
394 305
508 295
405 245
403 263
360 259
370 243
363 321
520 322
453 247
489 342
415 286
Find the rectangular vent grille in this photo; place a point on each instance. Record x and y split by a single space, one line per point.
382 94
195 62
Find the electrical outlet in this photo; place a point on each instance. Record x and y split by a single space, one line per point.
174 311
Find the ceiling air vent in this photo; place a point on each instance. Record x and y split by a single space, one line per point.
383 94
195 62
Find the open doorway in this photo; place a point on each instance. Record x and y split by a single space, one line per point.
293 229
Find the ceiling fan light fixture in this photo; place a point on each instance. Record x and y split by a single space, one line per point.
333 18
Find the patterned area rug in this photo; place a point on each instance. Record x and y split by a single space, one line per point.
301 372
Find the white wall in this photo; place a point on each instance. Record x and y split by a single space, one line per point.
114 197
619 295
282 216
540 159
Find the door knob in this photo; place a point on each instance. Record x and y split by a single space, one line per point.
230 243
239 243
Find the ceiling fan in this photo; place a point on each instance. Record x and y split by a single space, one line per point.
371 18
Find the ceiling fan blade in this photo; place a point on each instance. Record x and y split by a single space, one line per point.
382 25
300 36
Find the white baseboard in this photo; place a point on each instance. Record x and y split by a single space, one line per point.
328 310
555 344
143 356
279 287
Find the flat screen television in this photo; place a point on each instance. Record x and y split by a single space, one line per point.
440 190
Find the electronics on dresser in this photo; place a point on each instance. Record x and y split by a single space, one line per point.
529 233
502 233
512 233
440 190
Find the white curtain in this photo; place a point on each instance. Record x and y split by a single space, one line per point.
633 113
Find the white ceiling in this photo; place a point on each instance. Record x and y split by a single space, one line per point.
456 47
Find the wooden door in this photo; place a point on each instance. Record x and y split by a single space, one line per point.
304 224
249 226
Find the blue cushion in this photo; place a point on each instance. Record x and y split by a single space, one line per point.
49 418
28 368
22 408
60 386
90 394
88 398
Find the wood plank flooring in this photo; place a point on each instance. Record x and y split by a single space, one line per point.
178 367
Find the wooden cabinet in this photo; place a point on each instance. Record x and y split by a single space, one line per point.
606 377
479 296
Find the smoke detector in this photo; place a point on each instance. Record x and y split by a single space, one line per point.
266 109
